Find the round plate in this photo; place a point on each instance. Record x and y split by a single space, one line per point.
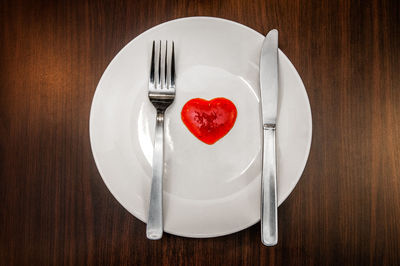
209 190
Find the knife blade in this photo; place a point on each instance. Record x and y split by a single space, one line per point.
269 106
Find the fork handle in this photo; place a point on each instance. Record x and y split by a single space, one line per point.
154 228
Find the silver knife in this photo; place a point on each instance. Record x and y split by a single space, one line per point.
269 104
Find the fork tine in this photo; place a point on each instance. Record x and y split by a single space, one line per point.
152 64
165 65
156 66
172 77
159 67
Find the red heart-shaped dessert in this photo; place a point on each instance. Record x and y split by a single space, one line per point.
210 120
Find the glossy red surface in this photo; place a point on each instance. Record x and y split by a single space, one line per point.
210 120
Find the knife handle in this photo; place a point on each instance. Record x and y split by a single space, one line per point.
269 204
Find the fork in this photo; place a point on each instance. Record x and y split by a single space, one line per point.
161 95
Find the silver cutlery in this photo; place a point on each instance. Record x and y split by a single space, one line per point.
161 95
269 103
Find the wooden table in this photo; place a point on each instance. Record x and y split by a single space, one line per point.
54 206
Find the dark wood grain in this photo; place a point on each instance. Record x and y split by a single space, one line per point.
55 208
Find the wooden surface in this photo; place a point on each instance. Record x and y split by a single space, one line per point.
54 206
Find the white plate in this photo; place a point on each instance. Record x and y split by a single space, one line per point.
209 190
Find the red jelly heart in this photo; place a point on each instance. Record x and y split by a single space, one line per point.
210 120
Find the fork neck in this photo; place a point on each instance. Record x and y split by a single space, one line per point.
160 116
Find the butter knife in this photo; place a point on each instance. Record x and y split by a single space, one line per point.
269 104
